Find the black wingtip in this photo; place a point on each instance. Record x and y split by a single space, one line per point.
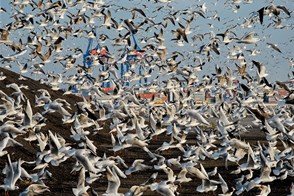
260 12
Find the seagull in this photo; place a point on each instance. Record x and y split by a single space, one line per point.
23 68
18 47
35 189
4 38
45 57
261 68
54 106
7 108
131 26
274 46
206 186
12 57
2 9
248 38
264 190
81 188
194 114
180 33
134 10
6 142
225 36
291 189
42 140
28 116
57 44
182 178
151 179
107 18
12 172
137 166
11 129
201 174
113 182
137 190
271 9
82 155
163 188
224 185
117 26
